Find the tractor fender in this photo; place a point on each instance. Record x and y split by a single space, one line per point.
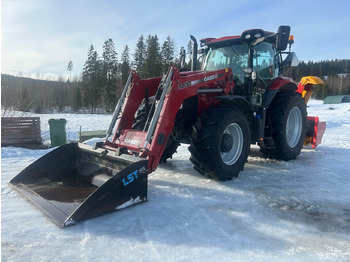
241 103
278 86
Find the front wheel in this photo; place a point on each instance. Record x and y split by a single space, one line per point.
220 143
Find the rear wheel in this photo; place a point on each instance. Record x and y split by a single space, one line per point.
287 115
220 143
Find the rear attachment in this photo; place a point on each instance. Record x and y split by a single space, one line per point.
314 131
74 182
314 128
307 85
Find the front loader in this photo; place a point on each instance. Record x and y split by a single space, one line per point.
239 98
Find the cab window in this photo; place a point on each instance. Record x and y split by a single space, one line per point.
264 62
235 56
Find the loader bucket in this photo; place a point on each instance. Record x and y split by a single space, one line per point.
74 182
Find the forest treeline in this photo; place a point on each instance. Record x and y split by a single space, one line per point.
104 75
334 73
98 88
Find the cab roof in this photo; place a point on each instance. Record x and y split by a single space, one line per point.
247 36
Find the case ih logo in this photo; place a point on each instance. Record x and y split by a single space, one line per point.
208 78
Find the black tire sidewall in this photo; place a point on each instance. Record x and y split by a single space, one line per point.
292 152
278 113
222 170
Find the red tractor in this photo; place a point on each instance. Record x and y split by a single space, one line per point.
239 98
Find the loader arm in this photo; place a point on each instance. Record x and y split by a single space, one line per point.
173 88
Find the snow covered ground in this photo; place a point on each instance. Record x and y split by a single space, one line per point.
274 211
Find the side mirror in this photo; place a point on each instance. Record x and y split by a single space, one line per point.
291 60
282 37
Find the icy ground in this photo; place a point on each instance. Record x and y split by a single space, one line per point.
274 211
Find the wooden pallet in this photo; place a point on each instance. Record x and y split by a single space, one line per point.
17 131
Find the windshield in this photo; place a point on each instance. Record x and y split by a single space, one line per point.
235 56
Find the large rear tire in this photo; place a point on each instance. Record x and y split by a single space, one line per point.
220 143
287 115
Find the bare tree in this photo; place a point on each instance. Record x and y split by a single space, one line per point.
70 68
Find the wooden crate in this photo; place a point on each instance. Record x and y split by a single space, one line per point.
17 131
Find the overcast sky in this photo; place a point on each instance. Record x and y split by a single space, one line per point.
40 37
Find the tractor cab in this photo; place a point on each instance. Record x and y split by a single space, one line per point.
255 58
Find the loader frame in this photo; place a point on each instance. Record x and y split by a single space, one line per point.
174 89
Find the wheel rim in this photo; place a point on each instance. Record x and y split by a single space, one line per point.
294 127
230 155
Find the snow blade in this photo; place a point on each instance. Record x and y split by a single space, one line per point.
74 182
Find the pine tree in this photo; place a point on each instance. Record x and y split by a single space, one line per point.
91 80
153 61
125 64
140 55
167 53
70 68
110 75
109 57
